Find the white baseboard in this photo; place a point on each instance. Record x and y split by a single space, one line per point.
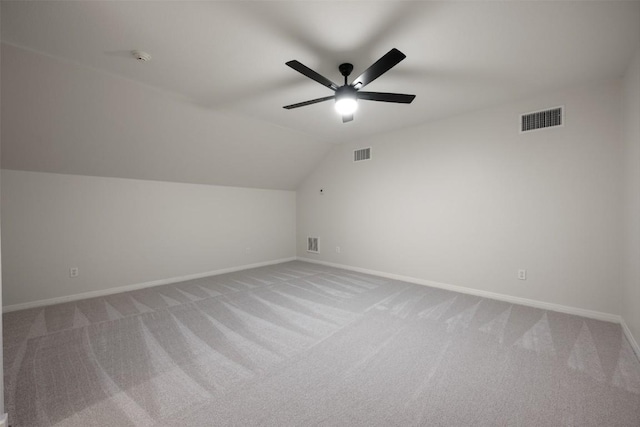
630 338
592 314
136 286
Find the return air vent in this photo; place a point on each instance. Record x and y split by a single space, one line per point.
362 154
542 119
312 245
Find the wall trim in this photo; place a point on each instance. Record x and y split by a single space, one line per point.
630 337
592 314
136 286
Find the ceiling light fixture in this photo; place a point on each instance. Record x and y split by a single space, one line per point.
346 100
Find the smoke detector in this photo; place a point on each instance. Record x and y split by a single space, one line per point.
140 55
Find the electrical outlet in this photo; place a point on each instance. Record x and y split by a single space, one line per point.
247 250
74 272
337 249
522 274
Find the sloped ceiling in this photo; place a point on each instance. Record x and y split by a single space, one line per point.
208 107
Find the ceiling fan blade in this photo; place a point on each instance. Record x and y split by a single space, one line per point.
313 101
348 118
401 98
381 66
303 69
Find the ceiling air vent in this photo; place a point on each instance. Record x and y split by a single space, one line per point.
542 119
312 245
362 154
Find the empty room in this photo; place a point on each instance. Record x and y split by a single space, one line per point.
337 213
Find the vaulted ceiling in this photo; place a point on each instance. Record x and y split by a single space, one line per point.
208 107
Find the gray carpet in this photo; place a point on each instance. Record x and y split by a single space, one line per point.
301 344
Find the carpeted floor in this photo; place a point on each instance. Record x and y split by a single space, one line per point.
301 344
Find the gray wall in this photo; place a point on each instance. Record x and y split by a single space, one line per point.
469 200
121 232
631 136
1 303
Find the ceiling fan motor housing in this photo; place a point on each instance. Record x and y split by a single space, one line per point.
346 91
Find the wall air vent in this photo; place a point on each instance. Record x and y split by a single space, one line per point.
312 245
542 119
362 154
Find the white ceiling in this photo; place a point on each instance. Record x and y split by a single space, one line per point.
228 57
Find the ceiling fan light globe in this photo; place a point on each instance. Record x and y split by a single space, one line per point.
346 106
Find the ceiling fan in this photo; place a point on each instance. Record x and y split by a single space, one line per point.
347 95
